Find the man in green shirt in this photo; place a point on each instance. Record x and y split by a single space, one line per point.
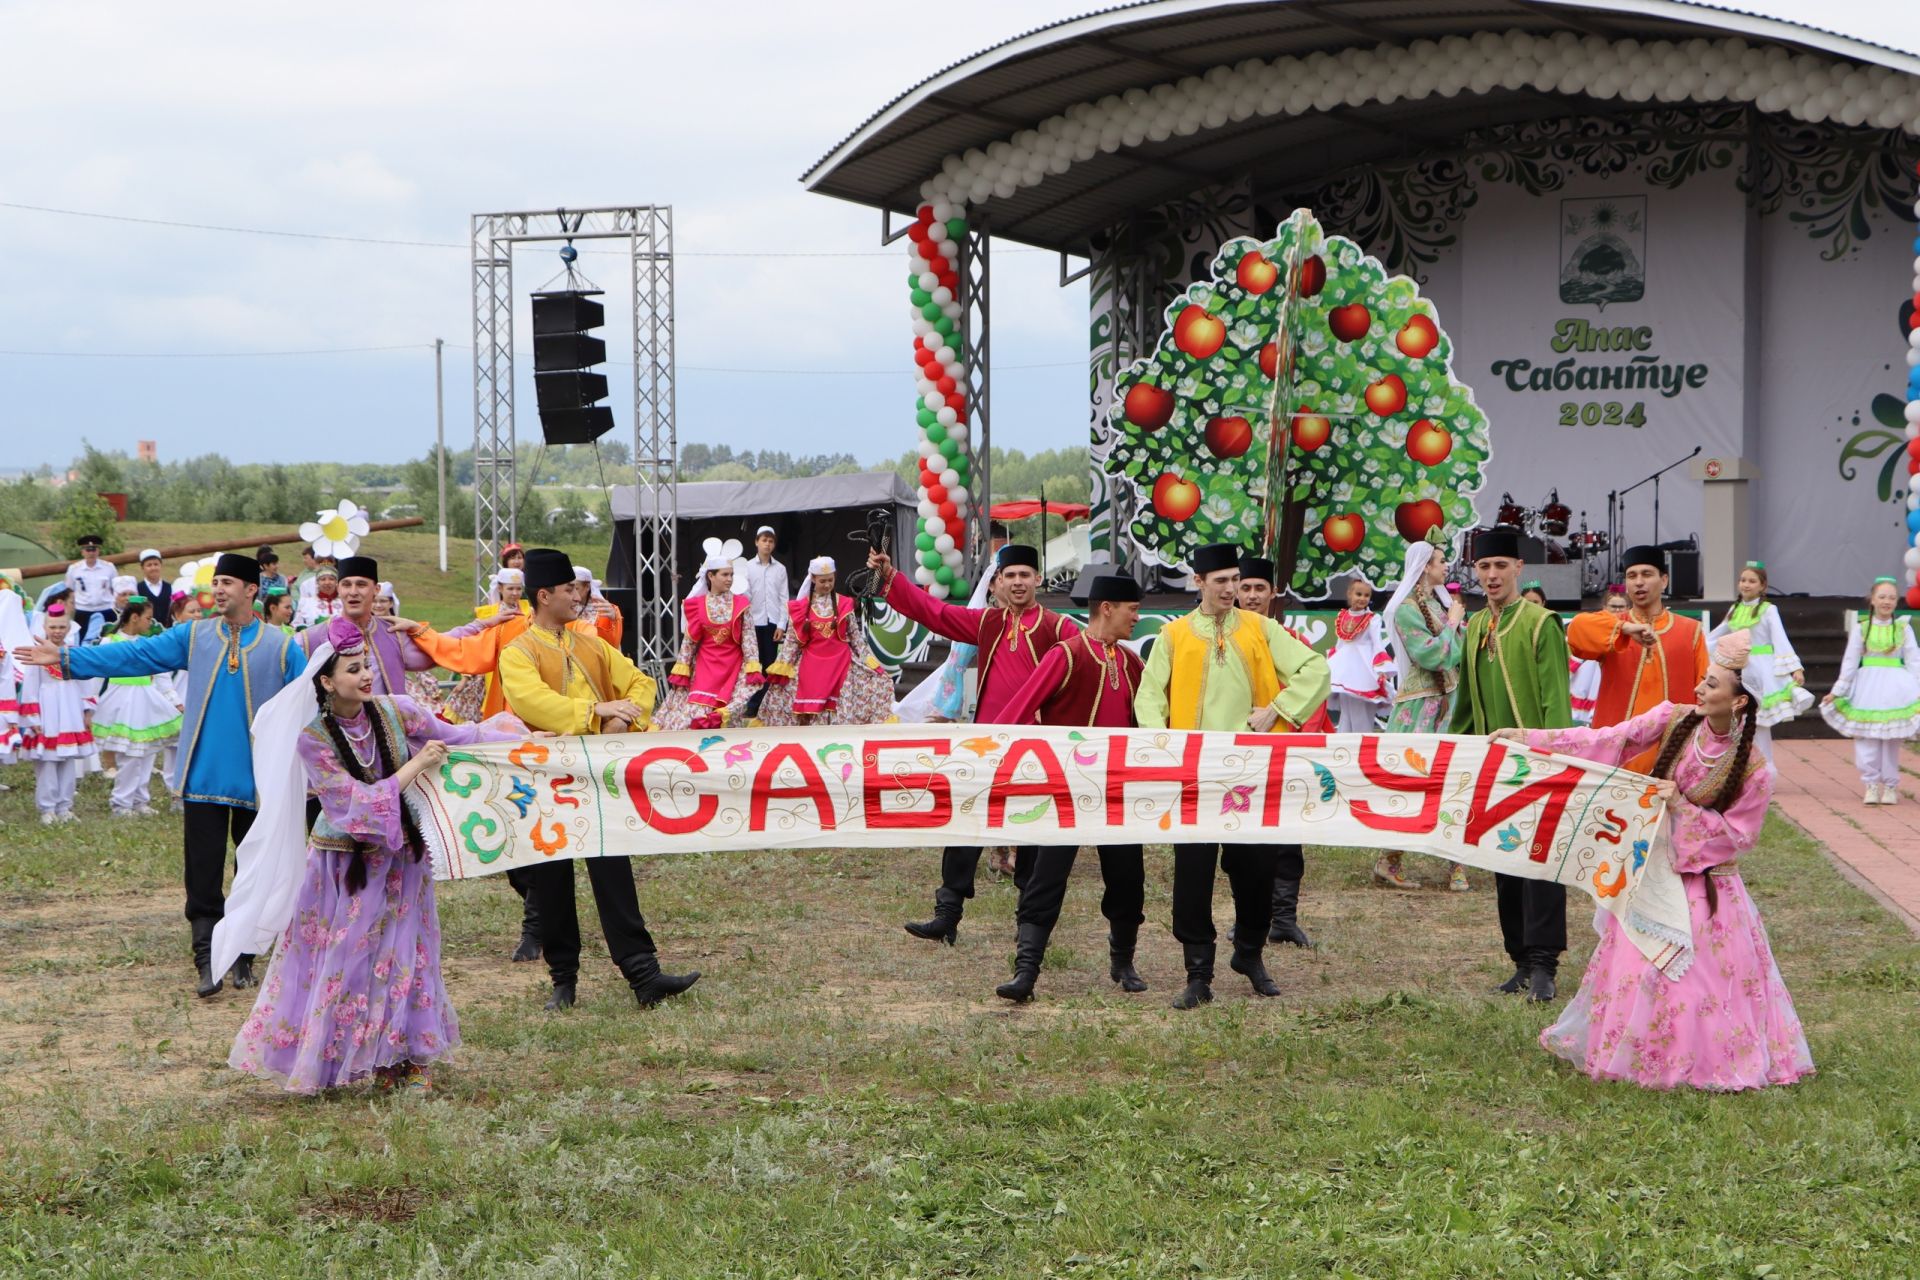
1225 668
1514 676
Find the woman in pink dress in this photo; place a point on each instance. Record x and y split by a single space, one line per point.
1727 1023
719 665
825 673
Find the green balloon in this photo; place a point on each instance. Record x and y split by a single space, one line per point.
949 448
932 312
936 432
924 541
960 585
927 417
932 560
943 326
942 573
920 297
957 230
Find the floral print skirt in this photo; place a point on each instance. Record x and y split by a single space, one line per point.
355 984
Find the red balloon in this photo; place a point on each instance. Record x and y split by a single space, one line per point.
949 512
946 386
1913 447
925 214
937 264
936 493
923 356
951 279
1913 466
925 249
1913 597
959 415
917 233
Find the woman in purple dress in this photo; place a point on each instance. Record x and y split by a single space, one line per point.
1727 1023
355 988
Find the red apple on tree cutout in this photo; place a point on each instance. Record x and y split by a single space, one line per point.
1429 443
1311 430
1148 407
1229 437
1175 497
1344 533
1270 361
1256 274
1199 332
1417 337
1310 277
1387 396
1413 519
1351 322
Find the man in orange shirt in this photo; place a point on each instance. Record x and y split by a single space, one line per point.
1647 656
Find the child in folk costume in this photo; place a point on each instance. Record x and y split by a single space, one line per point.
1429 635
422 686
719 664
1876 700
14 634
137 717
824 673
56 725
355 987
1727 1023
1359 662
1583 683
1775 676
941 698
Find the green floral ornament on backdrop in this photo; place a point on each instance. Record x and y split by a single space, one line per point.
1379 441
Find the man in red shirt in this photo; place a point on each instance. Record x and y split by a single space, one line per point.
1012 640
1087 680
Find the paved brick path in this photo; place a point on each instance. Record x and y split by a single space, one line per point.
1877 848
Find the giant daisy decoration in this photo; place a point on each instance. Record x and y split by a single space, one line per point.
195 576
336 533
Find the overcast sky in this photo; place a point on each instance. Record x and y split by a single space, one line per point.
400 120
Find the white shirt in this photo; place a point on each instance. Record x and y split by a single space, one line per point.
312 609
766 591
92 587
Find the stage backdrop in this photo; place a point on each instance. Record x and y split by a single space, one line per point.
1621 288
1592 827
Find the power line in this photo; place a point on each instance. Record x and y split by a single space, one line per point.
444 244
208 355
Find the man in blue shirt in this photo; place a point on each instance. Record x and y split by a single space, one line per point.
234 664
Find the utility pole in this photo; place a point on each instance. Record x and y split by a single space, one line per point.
440 442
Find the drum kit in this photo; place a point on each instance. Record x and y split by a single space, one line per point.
1562 542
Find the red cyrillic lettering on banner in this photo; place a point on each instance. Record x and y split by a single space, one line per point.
1053 784
1432 787
1554 791
703 809
1277 745
812 786
933 784
1120 775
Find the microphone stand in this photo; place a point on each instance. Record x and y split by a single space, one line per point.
1612 498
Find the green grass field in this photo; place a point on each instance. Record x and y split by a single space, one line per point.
837 1099
409 558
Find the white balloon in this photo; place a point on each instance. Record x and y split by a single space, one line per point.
943 295
942 210
924 576
938 590
949 478
1913 411
945 354
951 310
943 543
1912 558
927 510
957 433
935 525
934 401
946 417
952 557
929 281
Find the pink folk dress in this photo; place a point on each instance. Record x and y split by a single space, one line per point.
825 669
355 984
1728 1022
716 674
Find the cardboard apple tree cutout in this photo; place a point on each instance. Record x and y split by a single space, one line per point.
1301 402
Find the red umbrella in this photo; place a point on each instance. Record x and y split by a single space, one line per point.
1022 508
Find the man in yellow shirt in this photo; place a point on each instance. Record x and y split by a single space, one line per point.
1225 668
566 682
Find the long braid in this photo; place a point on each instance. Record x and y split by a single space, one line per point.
1736 778
357 860
356 879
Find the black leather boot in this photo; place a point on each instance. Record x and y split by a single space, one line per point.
1513 985
1540 985
650 985
1286 905
1120 945
561 999
1029 949
1199 988
208 984
241 975
939 929
529 948
1246 961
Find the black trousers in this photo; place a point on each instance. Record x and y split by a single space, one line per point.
1289 863
1123 874
1533 920
206 830
1249 871
551 886
763 633
958 863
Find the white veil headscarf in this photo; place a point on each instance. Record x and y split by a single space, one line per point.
1419 555
271 860
512 577
819 564
720 555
